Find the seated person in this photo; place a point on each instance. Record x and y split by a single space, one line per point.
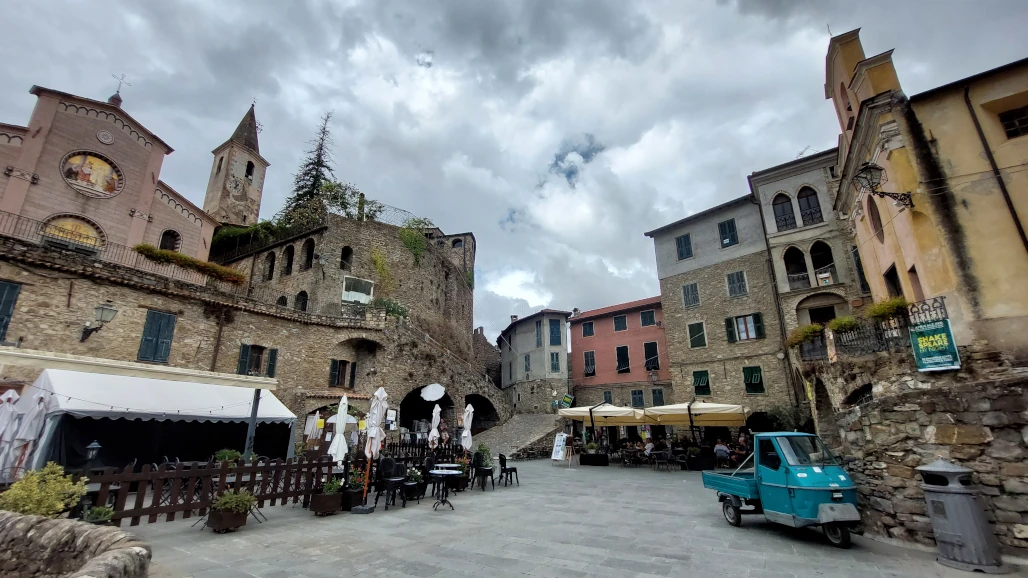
721 452
648 448
661 445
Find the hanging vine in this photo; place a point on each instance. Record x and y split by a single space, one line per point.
385 276
412 235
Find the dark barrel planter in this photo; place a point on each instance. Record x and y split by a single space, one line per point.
352 498
222 522
422 488
411 490
460 483
699 463
325 504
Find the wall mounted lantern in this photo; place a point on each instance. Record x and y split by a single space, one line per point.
869 177
92 449
105 313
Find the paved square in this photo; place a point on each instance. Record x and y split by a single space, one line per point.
580 522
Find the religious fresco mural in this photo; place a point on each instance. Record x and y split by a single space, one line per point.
92 175
73 230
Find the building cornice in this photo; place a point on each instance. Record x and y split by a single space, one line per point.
808 163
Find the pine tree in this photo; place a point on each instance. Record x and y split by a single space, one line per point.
306 205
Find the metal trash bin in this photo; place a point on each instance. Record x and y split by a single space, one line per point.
962 534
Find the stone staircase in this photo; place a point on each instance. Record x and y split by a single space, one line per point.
521 432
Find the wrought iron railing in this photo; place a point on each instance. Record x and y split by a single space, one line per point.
785 222
811 216
833 275
814 349
874 336
44 234
799 281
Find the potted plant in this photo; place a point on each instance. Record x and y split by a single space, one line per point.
230 510
461 481
227 455
355 488
591 447
47 492
329 501
99 515
416 484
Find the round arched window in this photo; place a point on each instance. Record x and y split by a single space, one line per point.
875 219
92 174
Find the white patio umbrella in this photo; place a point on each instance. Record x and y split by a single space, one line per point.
433 436
8 427
376 415
312 430
28 432
465 434
337 449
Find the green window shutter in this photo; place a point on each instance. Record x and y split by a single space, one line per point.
8 298
148 343
730 329
272 362
353 374
758 325
165 335
333 373
244 358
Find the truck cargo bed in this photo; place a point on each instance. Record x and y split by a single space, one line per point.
742 484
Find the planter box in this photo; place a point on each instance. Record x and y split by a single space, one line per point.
422 488
325 504
699 463
460 483
222 522
352 498
412 490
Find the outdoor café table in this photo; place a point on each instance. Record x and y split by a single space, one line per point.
441 475
447 466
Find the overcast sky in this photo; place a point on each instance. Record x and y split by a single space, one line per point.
557 132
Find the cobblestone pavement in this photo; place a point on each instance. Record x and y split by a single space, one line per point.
560 522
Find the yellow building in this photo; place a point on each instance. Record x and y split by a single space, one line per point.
954 163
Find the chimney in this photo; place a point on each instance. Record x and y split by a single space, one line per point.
513 318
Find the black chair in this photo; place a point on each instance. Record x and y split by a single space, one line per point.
482 471
388 483
429 465
661 459
507 472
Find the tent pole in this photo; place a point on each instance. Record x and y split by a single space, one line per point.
251 426
592 422
692 428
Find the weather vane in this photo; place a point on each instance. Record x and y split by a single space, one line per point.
121 80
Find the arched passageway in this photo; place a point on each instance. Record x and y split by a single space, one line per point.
413 408
485 416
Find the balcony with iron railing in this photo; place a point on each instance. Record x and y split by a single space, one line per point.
785 222
799 281
811 216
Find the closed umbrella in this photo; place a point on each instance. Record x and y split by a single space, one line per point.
8 427
465 434
376 415
433 436
28 432
337 449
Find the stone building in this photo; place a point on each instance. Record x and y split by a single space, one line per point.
487 355
930 186
82 187
620 355
723 331
533 360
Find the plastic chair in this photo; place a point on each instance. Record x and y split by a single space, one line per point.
507 472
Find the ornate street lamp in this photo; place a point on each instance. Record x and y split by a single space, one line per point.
870 176
104 313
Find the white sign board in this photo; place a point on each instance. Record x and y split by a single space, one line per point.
558 446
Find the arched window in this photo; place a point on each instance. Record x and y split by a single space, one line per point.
346 259
785 218
796 269
810 208
171 240
287 260
220 160
875 219
282 301
457 243
824 263
249 170
269 266
308 254
300 303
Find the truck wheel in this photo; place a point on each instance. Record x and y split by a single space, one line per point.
732 513
837 534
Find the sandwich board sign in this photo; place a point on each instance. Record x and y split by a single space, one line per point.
559 447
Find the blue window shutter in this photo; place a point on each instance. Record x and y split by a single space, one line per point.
8 298
244 358
165 334
333 373
151 330
272 362
730 329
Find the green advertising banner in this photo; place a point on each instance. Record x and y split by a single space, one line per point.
933 345
567 400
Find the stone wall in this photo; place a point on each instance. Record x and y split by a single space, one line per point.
536 395
36 547
980 425
487 356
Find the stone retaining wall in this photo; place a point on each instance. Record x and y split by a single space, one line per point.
36 547
981 426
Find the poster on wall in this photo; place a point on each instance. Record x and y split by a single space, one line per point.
567 400
558 446
934 348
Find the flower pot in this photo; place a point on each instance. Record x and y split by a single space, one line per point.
352 498
325 504
99 522
422 488
461 483
588 451
223 521
411 490
699 463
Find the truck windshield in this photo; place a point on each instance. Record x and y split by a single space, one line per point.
805 451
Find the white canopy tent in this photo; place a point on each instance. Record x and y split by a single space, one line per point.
95 395
697 414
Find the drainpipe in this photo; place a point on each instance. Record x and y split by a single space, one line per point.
995 167
778 301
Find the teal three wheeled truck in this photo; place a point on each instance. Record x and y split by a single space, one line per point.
795 481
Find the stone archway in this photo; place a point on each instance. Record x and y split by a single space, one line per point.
485 416
414 408
821 308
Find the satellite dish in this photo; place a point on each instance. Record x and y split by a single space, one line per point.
433 392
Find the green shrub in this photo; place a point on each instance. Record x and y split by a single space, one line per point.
415 475
592 446
804 333
227 455
469 276
487 458
888 309
358 477
235 502
844 323
692 452
412 235
98 514
46 492
385 276
332 486
213 270
392 307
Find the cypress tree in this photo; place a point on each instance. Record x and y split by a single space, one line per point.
306 204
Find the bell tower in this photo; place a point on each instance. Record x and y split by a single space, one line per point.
237 176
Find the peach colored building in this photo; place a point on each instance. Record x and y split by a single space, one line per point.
619 355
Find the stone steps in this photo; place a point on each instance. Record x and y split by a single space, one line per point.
520 432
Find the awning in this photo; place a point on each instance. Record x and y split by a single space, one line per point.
98 395
702 414
603 415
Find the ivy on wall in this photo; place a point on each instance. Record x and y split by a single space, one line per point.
412 235
385 276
